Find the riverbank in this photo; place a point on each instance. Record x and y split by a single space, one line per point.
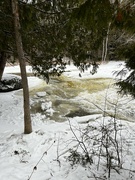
45 154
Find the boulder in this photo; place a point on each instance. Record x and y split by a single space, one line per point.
10 82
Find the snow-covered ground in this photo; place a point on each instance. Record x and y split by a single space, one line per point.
48 153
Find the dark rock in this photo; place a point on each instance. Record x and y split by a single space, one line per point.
10 82
79 113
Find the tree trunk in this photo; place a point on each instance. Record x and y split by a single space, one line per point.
2 63
19 46
105 44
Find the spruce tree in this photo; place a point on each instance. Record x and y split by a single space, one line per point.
97 15
125 20
6 34
57 36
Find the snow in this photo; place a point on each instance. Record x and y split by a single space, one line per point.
41 94
44 154
16 69
104 70
9 76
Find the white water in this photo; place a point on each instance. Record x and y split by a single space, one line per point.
81 97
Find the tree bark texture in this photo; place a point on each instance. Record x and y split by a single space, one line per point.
2 63
19 46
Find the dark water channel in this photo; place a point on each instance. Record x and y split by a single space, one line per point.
63 93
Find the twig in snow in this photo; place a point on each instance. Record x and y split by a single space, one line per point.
35 167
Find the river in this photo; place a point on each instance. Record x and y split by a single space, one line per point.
80 97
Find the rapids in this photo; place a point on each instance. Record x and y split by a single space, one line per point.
80 97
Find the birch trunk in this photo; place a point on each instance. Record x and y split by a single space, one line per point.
105 45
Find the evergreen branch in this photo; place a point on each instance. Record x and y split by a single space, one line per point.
47 12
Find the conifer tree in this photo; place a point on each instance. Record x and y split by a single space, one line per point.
55 36
6 29
97 15
125 20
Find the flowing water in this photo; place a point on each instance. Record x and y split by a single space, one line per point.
80 97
